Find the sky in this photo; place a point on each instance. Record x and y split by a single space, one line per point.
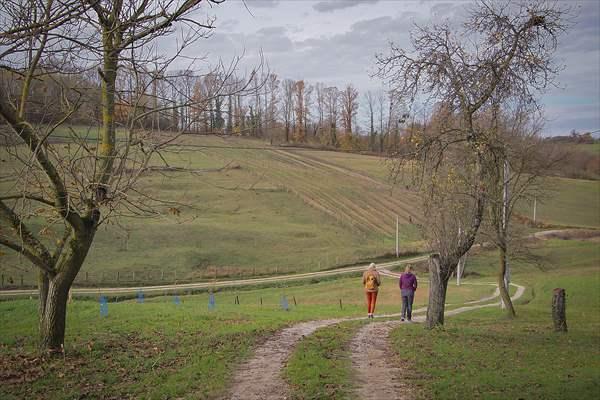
335 42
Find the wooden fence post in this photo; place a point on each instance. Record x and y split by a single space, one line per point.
559 314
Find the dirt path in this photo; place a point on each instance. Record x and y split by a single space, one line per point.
378 376
260 378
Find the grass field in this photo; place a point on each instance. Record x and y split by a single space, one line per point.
520 358
570 202
259 210
158 349
483 355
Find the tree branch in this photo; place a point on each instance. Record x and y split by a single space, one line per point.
25 132
32 248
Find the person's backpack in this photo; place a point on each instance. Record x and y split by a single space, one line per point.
371 282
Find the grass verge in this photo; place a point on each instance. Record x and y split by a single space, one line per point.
320 368
484 355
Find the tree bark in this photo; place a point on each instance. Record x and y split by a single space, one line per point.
54 291
559 314
504 294
438 283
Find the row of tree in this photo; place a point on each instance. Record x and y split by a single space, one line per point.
218 102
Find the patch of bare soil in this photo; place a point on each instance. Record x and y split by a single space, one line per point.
259 378
377 374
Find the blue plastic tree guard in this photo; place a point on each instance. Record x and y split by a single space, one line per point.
103 306
211 302
284 303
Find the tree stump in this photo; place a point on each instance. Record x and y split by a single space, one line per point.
559 314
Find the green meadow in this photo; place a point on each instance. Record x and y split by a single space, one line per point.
250 209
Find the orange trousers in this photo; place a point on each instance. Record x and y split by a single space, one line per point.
371 300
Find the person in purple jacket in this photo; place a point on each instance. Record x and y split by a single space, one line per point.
408 285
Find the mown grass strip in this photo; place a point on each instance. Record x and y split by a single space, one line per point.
320 367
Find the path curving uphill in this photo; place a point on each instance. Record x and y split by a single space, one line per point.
377 375
260 376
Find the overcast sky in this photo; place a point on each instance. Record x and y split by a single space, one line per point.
335 42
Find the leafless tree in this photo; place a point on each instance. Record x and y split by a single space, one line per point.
369 98
502 54
287 106
331 97
299 110
320 104
73 187
349 103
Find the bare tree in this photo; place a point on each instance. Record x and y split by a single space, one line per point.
287 106
502 54
331 97
299 110
76 187
349 100
381 118
320 103
271 93
369 99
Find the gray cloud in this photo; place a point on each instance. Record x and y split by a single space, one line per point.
332 5
302 40
262 3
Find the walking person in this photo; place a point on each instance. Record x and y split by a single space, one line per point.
408 286
371 281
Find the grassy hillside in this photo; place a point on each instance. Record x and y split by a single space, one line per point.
256 210
569 202
253 210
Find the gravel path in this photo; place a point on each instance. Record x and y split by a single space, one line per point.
259 378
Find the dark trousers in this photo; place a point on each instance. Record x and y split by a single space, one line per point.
408 297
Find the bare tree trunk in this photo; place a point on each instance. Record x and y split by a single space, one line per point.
43 284
52 321
438 283
54 292
559 314
504 294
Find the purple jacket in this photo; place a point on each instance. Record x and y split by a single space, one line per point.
408 281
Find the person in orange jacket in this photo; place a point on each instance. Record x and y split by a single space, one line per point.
371 281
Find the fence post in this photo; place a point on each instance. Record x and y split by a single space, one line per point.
133 276
559 314
21 280
118 276
2 280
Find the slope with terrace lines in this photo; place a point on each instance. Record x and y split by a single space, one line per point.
355 199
